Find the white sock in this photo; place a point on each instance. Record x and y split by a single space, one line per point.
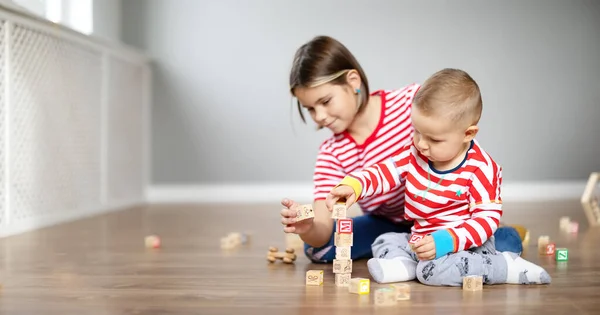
392 270
521 271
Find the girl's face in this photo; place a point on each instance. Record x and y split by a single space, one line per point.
330 105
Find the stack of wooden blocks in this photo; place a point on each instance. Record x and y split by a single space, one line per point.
343 240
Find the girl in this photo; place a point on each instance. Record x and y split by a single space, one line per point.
368 127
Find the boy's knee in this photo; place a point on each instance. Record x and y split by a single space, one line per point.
507 239
426 272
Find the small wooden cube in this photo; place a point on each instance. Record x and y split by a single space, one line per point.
343 252
473 283
339 211
342 266
542 242
304 212
152 241
344 226
343 240
564 223
359 286
402 291
385 297
314 277
573 227
562 254
550 248
342 279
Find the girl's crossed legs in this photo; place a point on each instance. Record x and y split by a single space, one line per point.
369 227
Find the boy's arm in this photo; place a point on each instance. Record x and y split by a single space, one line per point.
379 178
486 211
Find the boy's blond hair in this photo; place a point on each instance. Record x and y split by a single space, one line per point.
452 93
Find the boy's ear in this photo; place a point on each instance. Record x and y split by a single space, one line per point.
470 133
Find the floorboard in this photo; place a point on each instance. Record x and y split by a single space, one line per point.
100 266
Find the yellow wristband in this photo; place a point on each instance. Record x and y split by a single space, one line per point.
354 183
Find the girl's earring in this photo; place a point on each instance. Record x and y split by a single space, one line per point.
357 91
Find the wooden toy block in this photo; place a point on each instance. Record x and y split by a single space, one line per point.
152 241
314 277
342 279
359 286
590 199
287 257
573 227
228 243
339 211
550 249
542 243
304 212
342 266
414 238
385 297
562 254
343 252
344 226
564 223
473 283
402 291
343 240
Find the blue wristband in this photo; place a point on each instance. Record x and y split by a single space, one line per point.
444 243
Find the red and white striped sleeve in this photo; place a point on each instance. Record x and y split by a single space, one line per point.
381 177
485 207
328 173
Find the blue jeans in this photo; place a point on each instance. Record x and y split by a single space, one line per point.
368 227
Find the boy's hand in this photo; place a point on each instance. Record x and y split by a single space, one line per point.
288 218
425 248
341 193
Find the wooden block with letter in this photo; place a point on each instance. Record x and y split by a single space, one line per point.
414 238
342 266
385 297
342 279
359 286
561 254
339 211
472 283
402 291
343 252
314 277
343 239
304 212
344 226
550 248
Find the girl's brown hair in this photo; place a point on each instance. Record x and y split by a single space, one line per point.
325 60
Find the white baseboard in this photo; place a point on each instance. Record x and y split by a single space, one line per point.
302 192
47 221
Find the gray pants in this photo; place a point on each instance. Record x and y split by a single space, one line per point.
447 270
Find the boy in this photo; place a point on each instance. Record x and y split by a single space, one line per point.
452 194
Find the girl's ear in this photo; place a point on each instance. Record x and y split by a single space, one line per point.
353 79
470 133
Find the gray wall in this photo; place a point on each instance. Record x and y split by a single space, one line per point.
221 72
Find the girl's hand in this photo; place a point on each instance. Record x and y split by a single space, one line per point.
288 218
341 193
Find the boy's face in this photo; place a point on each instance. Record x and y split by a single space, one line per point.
438 138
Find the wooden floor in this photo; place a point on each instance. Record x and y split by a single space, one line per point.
100 266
